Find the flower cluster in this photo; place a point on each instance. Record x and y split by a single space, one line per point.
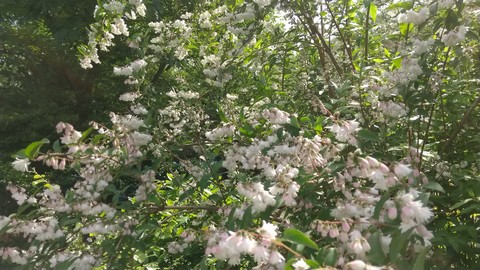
261 245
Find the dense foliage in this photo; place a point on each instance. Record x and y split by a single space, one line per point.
266 135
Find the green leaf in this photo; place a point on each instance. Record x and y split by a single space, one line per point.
56 146
215 197
401 5
247 130
330 256
203 264
405 27
222 115
376 254
397 62
305 119
458 204
231 220
36 182
318 125
379 206
337 166
293 130
65 264
368 135
451 20
247 218
398 244
33 149
86 133
188 193
313 264
420 261
294 122
434 186
373 12
297 237
280 133
387 53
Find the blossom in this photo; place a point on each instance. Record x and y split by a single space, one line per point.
416 18
300 265
276 258
421 46
262 3
268 230
140 139
115 7
276 116
119 27
122 71
129 96
345 131
452 38
446 3
392 109
260 198
21 164
355 265
402 170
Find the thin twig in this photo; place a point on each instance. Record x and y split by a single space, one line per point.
347 48
186 207
432 109
366 31
316 35
461 124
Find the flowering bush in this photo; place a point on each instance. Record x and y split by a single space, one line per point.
267 135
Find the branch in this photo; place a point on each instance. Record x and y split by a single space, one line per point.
366 31
186 207
314 30
432 110
461 124
347 48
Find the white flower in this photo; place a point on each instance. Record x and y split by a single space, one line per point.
260 253
446 3
355 265
300 265
141 10
276 258
138 64
452 38
4 221
140 138
392 109
114 6
262 3
138 109
119 27
181 53
21 164
268 230
402 170
421 46
122 71
218 133
416 18
130 96
276 116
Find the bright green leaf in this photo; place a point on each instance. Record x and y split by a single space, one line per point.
434 186
33 149
373 11
297 237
